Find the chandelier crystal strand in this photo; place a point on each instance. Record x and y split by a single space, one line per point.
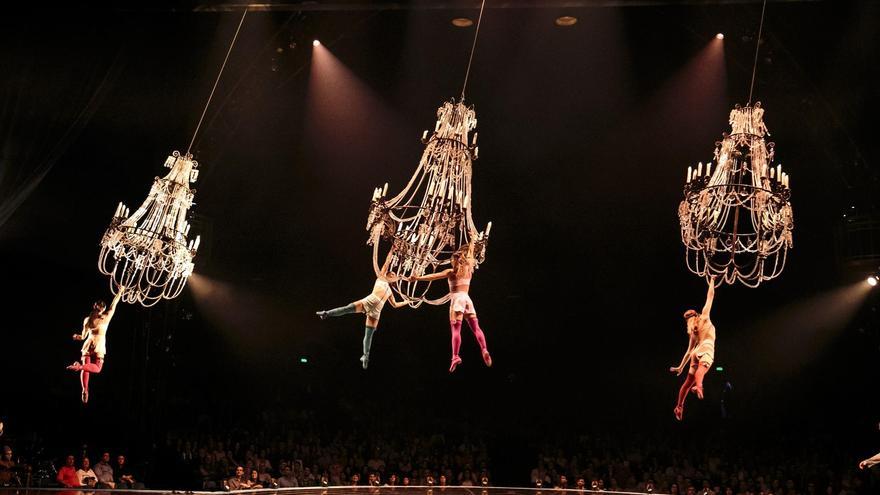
431 218
149 252
736 218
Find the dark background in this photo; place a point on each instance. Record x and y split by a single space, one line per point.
585 136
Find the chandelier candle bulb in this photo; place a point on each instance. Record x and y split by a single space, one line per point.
700 168
488 228
385 190
779 172
425 135
709 169
690 172
474 140
198 241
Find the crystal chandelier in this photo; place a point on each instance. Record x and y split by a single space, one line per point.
736 219
431 218
147 252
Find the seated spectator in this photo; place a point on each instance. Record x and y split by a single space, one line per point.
7 468
253 480
237 482
124 476
287 479
67 474
85 476
104 472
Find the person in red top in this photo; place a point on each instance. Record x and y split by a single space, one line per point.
67 474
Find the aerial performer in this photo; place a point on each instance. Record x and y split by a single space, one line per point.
94 337
700 352
371 306
460 304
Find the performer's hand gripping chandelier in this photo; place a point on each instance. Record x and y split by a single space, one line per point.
148 252
736 219
431 218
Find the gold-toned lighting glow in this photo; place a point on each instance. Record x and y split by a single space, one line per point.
566 20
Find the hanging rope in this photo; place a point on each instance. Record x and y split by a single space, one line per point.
216 81
757 48
473 48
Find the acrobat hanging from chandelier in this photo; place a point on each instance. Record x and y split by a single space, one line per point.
371 306
461 307
700 353
94 337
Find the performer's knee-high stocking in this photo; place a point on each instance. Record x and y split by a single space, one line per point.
368 342
88 367
481 339
342 310
455 327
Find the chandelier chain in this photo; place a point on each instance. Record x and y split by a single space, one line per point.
473 49
217 81
757 48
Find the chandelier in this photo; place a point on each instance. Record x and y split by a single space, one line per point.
147 252
431 218
736 219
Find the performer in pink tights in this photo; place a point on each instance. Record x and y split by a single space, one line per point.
700 353
460 304
94 337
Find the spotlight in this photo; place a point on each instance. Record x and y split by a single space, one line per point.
303 360
462 22
566 20
316 43
719 36
872 280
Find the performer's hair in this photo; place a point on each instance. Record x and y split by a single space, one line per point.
690 314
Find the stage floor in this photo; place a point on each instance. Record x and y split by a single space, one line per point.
333 490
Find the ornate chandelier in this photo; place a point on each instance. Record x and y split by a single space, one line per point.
736 220
148 252
431 218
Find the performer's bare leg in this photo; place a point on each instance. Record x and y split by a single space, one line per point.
701 371
682 395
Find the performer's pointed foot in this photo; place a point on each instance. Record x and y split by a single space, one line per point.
455 362
321 314
697 389
487 358
679 411
365 360
76 366
85 397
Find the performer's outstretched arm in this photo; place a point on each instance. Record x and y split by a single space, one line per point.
115 301
870 462
710 296
395 303
686 358
432 276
